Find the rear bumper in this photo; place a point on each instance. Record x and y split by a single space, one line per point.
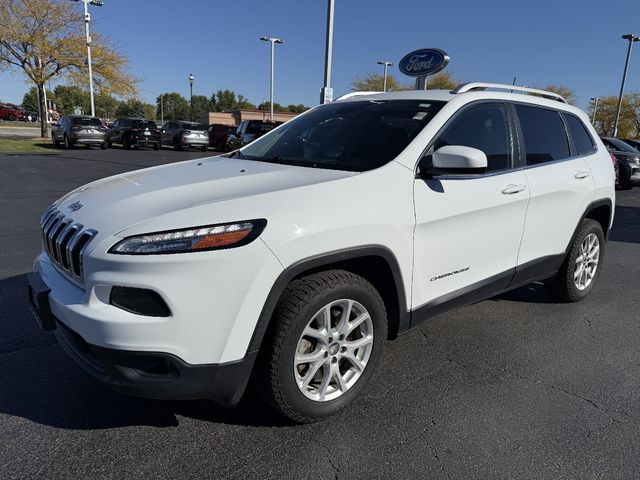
89 140
157 375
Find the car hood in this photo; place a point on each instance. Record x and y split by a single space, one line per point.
116 203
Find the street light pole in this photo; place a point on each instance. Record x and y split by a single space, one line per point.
273 41
191 94
631 38
595 109
87 19
386 68
326 94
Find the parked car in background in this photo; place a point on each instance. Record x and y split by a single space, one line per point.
182 134
634 143
11 112
79 130
248 131
32 116
628 161
134 132
219 134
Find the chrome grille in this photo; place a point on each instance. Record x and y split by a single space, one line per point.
65 242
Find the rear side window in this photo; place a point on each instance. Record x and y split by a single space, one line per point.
581 138
545 139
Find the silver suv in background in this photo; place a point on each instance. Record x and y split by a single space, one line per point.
79 130
182 134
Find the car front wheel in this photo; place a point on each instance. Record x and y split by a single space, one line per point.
327 335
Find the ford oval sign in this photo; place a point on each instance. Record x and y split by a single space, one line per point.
422 63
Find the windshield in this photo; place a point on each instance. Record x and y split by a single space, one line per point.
86 121
620 146
354 136
192 126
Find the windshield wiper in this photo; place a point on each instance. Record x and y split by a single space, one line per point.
239 154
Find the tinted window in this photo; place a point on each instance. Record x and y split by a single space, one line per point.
192 126
545 138
355 136
484 127
143 124
86 121
619 145
581 138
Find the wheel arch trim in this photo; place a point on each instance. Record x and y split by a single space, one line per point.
319 261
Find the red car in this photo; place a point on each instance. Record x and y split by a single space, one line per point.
12 112
218 134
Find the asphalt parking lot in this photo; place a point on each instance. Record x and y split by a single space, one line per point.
513 387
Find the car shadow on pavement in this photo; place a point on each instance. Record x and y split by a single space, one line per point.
40 383
626 225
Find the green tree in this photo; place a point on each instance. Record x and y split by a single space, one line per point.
225 100
374 82
297 108
68 97
442 81
30 99
106 106
566 92
629 122
43 40
201 106
176 107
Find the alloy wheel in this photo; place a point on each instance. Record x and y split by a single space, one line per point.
333 350
587 261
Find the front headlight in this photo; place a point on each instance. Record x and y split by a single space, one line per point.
196 239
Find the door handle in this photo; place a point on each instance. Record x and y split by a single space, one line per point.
511 189
581 174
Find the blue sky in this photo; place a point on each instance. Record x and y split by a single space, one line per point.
570 42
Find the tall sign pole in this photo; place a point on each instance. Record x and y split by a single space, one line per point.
326 94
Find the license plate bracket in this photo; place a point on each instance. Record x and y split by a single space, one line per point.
39 301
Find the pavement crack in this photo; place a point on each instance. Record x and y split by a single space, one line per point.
336 468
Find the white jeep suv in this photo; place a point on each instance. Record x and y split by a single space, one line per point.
294 259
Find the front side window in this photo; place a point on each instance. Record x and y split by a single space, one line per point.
581 138
485 127
545 138
354 136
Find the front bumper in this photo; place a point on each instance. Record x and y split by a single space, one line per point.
155 375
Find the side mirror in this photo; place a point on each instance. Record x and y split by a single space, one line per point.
456 160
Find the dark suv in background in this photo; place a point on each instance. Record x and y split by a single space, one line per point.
79 130
218 135
248 131
628 159
182 134
134 132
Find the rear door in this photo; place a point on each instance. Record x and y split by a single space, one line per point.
560 181
468 227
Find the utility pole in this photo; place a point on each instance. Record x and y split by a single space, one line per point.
273 41
631 38
386 69
191 94
595 109
87 19
326 94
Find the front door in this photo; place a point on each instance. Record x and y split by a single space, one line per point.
469 227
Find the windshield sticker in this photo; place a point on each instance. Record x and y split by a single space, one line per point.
420 116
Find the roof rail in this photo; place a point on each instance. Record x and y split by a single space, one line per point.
356 94
469 87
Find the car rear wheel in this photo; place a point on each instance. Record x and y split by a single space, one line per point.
327 335
126 143
156 146
67 143
12 117
103 145
581 268
204 148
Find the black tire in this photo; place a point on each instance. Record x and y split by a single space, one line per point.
624 182
563 287
103 145
301 300
156 146
177 145
109 144
12 117
126 143
204 148
56 143
68 144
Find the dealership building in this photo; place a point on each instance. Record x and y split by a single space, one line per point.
235 117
